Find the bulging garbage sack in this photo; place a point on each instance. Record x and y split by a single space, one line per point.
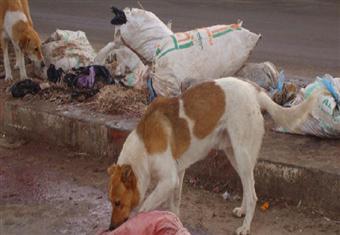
140 30
68 49
324 120
127 61
264 74
201 54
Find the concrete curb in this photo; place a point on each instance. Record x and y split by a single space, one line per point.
103 136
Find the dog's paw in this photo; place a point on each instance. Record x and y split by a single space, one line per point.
243 230
8 78
24 77
238 212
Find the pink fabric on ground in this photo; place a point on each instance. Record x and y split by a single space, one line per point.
151 223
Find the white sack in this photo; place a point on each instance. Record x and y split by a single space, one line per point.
201 54
68 49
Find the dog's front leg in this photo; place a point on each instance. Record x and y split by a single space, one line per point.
22 67
175 198
8 71
17 59
160 194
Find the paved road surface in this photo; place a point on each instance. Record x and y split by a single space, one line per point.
301 36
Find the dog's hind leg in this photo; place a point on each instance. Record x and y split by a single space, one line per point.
244 166
8 71
246 141
238 211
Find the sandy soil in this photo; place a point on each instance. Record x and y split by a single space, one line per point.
47 190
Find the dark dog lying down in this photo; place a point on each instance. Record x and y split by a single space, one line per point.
150 223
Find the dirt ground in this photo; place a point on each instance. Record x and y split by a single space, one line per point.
48 190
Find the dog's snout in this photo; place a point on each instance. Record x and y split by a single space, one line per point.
42 64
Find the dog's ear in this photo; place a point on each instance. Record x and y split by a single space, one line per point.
112 169
128 177
24 42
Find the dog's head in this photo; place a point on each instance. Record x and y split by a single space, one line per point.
30 45
123 193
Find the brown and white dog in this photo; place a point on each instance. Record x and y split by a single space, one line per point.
174 133
16 26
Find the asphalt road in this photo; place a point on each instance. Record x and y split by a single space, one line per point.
302 37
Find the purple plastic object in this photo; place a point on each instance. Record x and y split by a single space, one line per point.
87 81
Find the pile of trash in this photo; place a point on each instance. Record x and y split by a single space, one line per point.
73 76
146 59
324 120
178 60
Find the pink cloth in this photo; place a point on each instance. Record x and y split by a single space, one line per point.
151 223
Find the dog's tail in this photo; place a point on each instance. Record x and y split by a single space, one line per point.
288 118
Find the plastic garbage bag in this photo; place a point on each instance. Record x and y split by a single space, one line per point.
24 87
264 74
151 223
324 120
284 93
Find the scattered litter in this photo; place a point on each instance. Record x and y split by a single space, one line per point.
284 92
86 77
327 219
216 189
236 197
226 195
265 206
24 87
86 81
299 204
193 181
54 74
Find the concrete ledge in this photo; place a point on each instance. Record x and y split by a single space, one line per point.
283 171
97 134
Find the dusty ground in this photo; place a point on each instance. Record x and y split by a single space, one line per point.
47 190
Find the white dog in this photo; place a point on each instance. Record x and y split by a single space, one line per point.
16 26
174 133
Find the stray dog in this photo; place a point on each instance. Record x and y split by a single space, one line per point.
16 26
176 132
